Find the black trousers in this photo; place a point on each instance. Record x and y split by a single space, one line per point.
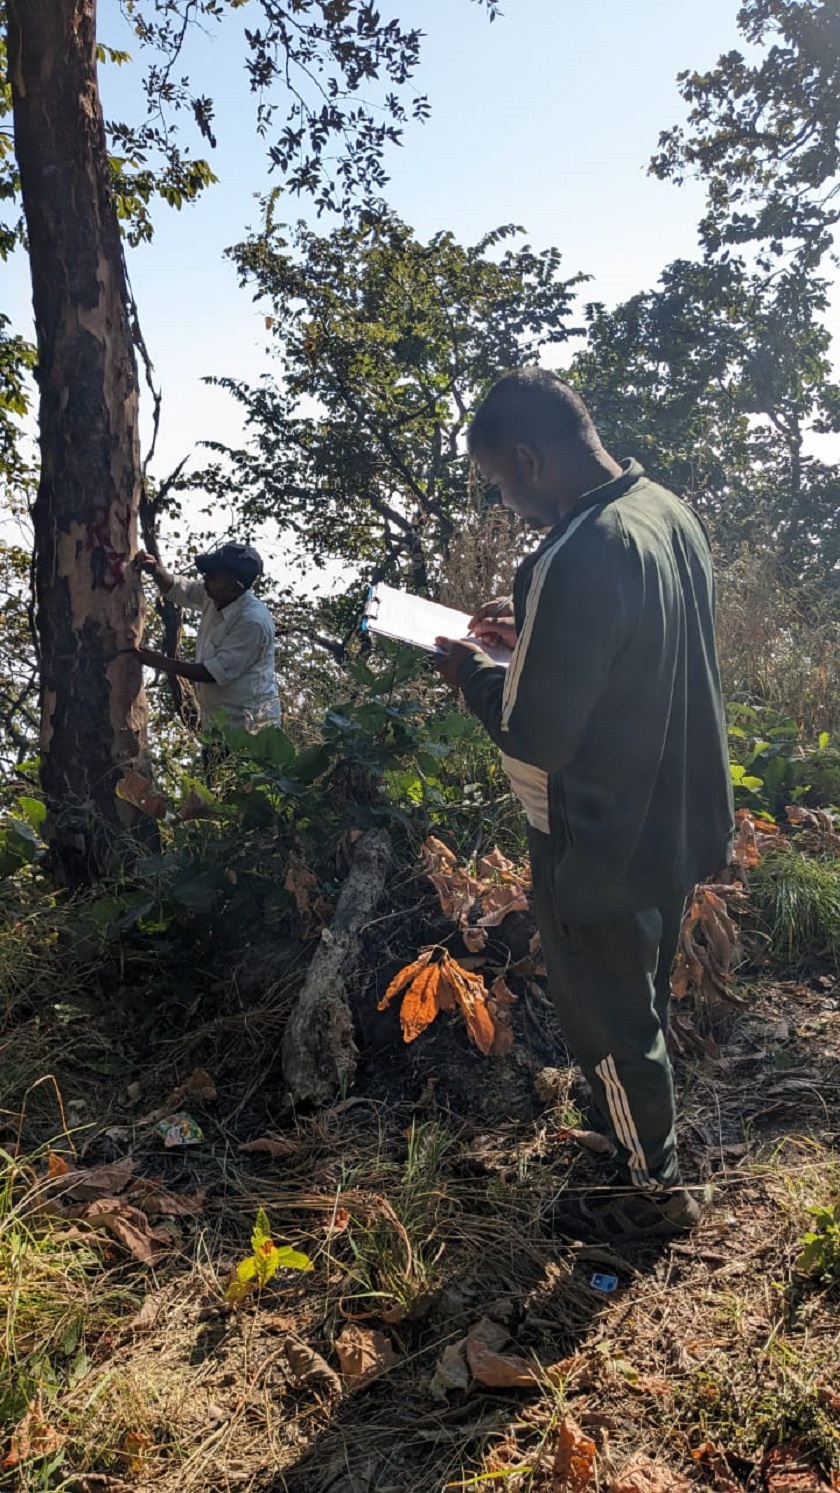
611 983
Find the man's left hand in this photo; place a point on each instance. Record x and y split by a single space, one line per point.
455 653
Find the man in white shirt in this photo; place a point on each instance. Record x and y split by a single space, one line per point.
233 672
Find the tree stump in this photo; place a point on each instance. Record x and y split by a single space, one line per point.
319 1051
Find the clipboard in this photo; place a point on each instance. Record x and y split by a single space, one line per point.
414 620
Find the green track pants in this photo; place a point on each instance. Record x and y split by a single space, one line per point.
611 984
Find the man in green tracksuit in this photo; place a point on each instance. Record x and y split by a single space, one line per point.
612 729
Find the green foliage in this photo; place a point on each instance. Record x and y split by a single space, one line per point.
713 379
820 1252
799 898
391 340
762 132
261 1265
766 759
772 766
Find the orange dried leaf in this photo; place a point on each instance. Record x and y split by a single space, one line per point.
574 1459
436 854
420 1004
745 851
134 789
471 994
33 1437
446 998
56 1166
405 977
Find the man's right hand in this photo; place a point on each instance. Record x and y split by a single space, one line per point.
147 564
494 623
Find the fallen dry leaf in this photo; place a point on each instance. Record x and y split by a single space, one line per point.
33 1437
590 1140
147 1316
274 1146
451 1371
707 945
471 995
490 1366
494 864
85 1184
475 939
786 1470
199 1085
134 789
574 1458
364 1354
130 1226
435 854
446 986
404 978
306 1364
501 992
56 1166
641 1474
337 1221
420 1004
745 852
303 886
156 1202
456 893
499 1004
499 903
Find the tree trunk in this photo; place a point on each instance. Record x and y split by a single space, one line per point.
319 1053
89 600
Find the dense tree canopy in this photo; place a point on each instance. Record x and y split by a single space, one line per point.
715 379
763 132
384 343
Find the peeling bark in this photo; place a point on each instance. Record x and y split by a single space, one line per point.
319 1053
89 600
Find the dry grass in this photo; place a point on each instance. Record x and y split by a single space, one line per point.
420 1222
778 644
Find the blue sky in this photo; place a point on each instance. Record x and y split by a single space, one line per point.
546 118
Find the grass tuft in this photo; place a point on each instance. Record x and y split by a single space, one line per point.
799 898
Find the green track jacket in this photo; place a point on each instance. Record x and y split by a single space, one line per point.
610 717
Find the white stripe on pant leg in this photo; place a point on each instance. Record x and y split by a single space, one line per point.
622 1118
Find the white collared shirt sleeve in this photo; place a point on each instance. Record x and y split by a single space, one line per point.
189 594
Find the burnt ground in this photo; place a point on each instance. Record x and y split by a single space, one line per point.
421 1198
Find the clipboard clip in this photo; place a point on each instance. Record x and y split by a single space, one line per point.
371 611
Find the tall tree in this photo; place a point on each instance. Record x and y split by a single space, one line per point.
89 599
323 54
385 341
714 379
762 132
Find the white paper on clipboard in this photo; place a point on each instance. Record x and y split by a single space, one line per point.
414 620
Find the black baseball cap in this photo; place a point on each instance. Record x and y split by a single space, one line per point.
238 560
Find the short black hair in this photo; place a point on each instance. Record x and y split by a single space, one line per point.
531 406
